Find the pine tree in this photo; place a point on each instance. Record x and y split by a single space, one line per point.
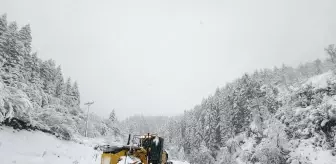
241 116
227 128
183 134
48 72
3 31
25 37
68 87
10 48
35 68
255 104
189 141
217 119
68 97
207 121
112 116
111 122
3 24
75 93
214 124
15 48
11 51
60 86
27 71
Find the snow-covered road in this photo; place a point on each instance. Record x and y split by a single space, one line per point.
179 162
24 147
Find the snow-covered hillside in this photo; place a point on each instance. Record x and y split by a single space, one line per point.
25 147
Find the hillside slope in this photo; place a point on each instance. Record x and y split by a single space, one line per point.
285 115
301 131
25 147
35 92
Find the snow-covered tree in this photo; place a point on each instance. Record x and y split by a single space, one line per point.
35 76
3 25
13 48
331 50
68 87
24 35
59 80
68 97
47 73
112 116
33 90
75 93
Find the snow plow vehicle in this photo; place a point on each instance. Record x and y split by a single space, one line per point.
144 149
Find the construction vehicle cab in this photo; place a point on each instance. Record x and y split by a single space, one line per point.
148 149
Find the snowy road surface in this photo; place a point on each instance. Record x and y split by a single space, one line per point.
179 162
24 147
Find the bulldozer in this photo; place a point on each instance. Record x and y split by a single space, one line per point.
144 149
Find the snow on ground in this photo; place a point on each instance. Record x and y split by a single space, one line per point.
320 81
179 162
25 147
135 160
34 147
300 110
316 155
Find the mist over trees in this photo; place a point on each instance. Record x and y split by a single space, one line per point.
256 118
261 109
35 91
261 117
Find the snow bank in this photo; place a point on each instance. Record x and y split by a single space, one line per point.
179 162
299 110
315 155
25 147
320 81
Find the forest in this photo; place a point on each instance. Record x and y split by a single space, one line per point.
34 93
261 117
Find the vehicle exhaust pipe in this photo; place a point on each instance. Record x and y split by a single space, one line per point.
129 139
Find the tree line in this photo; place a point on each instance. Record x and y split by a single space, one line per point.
248 106
36 92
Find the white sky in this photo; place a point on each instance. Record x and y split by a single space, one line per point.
160 57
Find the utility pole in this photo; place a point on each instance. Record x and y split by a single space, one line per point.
87 117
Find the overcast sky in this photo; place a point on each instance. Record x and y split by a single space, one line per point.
160 57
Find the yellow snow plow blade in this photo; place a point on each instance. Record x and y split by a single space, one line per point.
112 158
149 149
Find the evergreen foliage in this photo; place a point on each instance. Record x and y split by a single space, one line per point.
34 91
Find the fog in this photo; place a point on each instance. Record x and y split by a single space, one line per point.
162 57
